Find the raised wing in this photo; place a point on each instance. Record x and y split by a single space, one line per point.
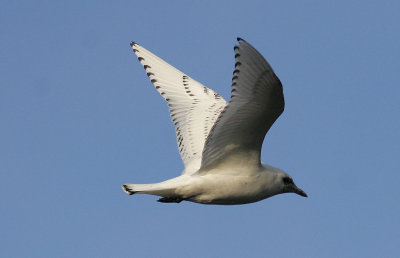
256 102
194 108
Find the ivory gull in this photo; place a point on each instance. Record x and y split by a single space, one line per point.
219 142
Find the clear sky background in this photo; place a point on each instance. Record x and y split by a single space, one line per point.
79 117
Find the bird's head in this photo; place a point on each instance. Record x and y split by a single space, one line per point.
288 186
282 182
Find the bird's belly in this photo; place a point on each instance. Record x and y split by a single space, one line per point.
228 190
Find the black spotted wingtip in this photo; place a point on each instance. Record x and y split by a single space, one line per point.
134 46
240 41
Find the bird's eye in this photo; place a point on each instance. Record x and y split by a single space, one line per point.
287 180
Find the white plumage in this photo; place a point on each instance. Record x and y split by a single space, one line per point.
219 142
194 108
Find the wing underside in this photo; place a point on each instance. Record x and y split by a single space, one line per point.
193 107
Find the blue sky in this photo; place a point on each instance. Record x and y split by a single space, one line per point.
78 117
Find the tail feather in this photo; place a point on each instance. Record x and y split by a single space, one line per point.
163 189
154 189
129 189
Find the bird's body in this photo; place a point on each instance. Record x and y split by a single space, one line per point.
218 186
220 142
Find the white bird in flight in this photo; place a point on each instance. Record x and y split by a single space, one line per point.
219 142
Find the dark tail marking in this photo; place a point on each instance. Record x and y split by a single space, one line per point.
128 189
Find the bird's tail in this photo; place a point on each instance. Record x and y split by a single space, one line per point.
129 189
167 189
155 189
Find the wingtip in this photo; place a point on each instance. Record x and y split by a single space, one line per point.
239 39
134 46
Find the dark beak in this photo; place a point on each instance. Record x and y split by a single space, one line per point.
299 191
